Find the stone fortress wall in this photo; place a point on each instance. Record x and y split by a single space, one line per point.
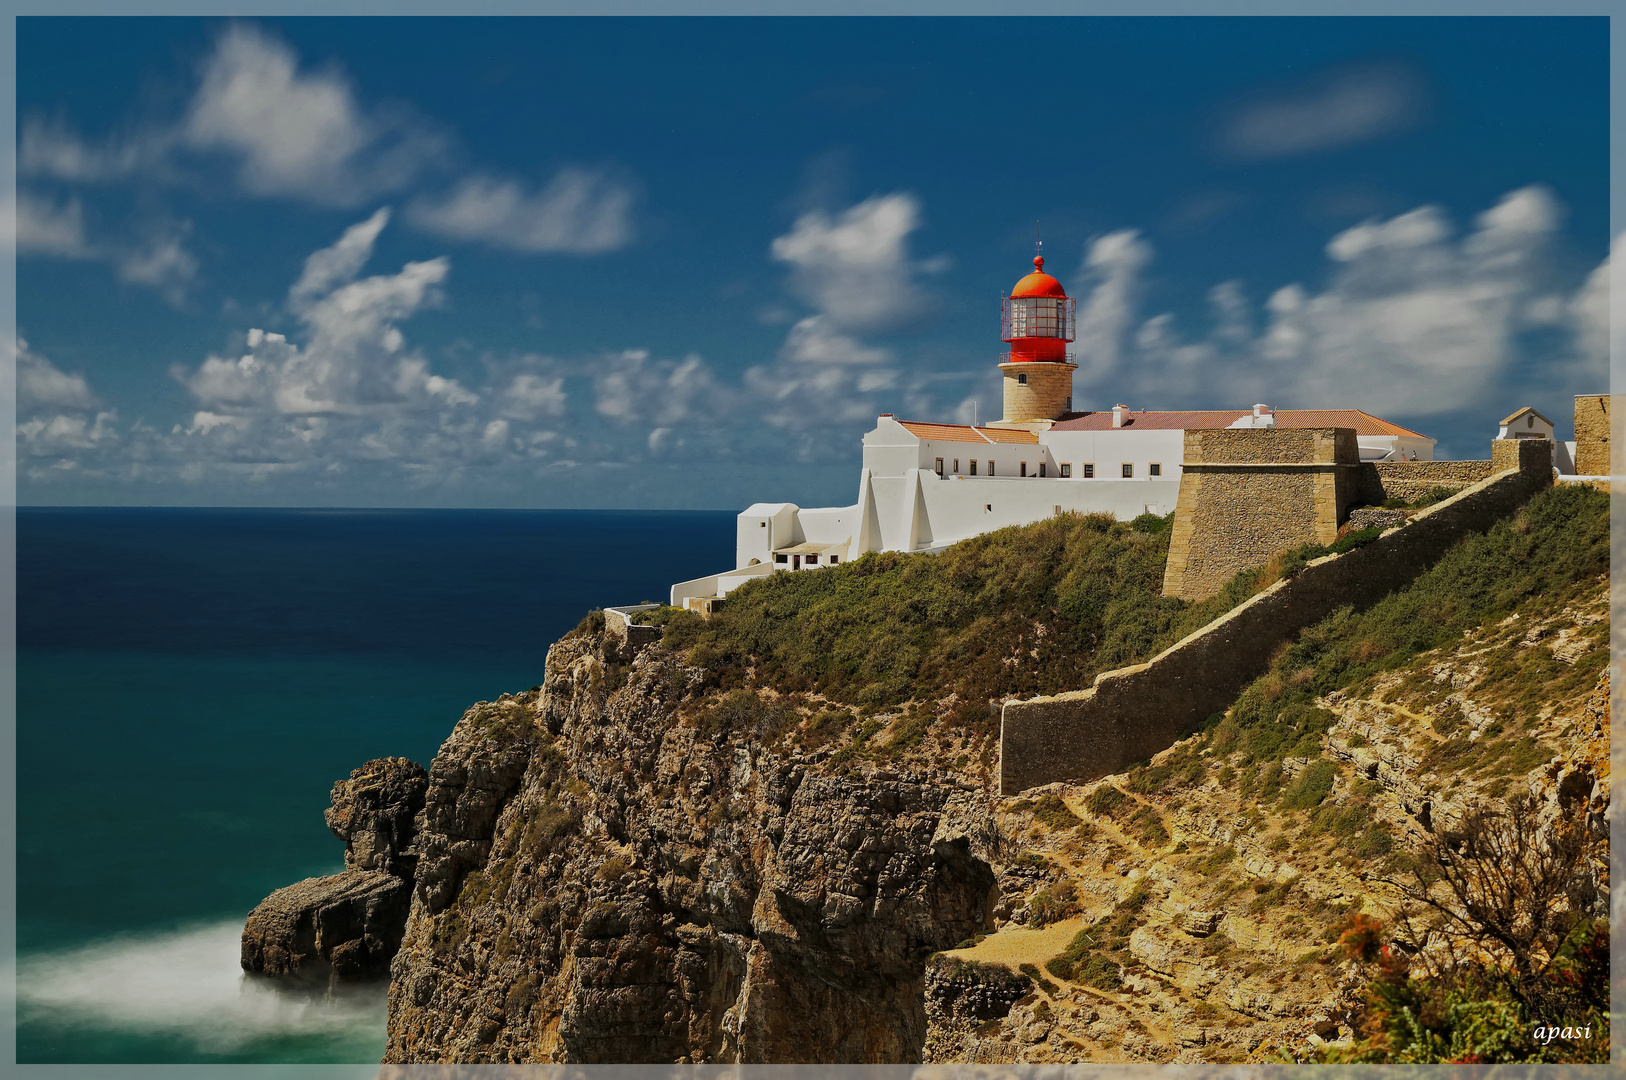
1132 713
1408 480
1248 493
1593 415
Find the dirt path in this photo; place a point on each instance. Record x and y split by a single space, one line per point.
1014 945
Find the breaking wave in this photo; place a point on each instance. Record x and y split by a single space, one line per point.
186 985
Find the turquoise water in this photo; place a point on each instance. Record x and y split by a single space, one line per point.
190 685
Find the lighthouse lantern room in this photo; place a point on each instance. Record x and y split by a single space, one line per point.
1036 321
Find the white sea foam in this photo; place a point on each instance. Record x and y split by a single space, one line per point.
186 984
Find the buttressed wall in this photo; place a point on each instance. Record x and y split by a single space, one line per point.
1132 713
1593 413
1247 493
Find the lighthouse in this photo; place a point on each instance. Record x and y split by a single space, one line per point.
1036 321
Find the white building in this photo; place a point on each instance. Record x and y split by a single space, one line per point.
924 486
1527 423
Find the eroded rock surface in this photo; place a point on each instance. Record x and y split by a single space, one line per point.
323 930
603 879
347 927
373 812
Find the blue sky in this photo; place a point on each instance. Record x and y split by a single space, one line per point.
669 263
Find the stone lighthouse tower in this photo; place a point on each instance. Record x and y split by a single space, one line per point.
1037 323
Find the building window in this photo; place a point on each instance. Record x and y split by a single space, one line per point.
973 466
988 509
1021 380
1089 470
1155 469
762 524
939 466
812 560
1129 470
780 557
1066 469
990 468
1024 471
834 559
956 466
1041 468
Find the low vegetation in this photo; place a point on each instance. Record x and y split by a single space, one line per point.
1025 610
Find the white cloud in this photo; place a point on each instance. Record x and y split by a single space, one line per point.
46 228
854 266
354 359
529 396
341 262
1111 274
634 387
300 133
815 340
1588 314
59 419
1411 321
41 385
578 212
162 262
53 149
1339 108
855 269
159 260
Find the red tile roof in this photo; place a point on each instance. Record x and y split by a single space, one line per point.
1197 419
967 434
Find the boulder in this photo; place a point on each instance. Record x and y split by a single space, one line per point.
373 812
346 927
328 930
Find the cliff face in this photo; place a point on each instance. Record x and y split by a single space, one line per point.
346 927
605 876
648 861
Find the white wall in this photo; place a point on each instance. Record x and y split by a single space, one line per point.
961 508
920 510
1109 450
761 528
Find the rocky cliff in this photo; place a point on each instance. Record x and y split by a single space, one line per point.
346 927
611 871
655 859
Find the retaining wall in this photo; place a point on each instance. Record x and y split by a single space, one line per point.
1132 713
1248 493
1382 480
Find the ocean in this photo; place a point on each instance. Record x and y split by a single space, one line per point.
190 684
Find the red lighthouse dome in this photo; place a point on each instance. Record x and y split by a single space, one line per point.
1038 283
1037 319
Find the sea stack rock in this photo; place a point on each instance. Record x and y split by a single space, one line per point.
347 927
373 812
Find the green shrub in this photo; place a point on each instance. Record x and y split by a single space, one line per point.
1104 801
1073 595
1556 546
1313 785
746 713
1352 540
1053 812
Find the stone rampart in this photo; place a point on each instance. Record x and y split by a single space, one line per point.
1248 493
1132 713
1382 480
1593 413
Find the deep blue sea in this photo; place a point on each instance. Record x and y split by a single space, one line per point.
190 683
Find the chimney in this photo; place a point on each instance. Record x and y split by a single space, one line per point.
1118 414
1260 410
